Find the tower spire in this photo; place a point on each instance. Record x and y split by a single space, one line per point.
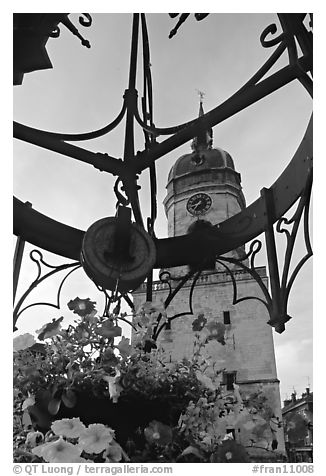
204 139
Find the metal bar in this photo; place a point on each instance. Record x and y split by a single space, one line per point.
129 133
149 287
18 256
129 179
86 135
64 240
103 162
267 195
122 235
222 112
303 208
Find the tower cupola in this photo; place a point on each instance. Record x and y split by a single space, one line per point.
202 184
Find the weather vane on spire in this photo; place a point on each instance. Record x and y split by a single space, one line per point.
204 137
201 95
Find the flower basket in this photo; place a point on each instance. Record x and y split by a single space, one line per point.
82 395
129 414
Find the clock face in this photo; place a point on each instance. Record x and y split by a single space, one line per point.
199 204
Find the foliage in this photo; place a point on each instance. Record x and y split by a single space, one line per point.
139 405
297 425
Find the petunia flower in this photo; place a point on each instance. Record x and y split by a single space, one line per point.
50 329
68 427
113 454
82 307
199 323
124 347
158 433
34 438
96 438
58 451
24 341
230 452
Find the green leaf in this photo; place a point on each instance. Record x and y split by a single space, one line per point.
29 401
108 329
69 398
192 450
54 406
26 420
124 347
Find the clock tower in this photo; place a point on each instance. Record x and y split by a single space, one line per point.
202 185
204 189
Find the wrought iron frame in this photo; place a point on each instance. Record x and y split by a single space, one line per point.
18 310
259 217
276 300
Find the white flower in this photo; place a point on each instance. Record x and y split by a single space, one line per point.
96 438
68 427
33 438
113 453
114 387
28 402
58 451
24 341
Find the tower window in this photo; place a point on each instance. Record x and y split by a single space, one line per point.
229 379
231 431
226 317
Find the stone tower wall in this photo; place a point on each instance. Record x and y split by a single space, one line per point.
249 347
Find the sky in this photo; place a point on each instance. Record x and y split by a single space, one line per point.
84 91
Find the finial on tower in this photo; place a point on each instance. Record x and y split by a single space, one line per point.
204 139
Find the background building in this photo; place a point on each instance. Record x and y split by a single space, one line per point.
297 416
204 189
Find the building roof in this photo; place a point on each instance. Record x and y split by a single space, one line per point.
203 157
199 161
295 403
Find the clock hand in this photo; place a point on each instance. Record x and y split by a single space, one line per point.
196 205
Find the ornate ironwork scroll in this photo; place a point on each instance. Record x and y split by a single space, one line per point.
167 278
63 18
110 298
37 257
258 217
276 300
294 31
